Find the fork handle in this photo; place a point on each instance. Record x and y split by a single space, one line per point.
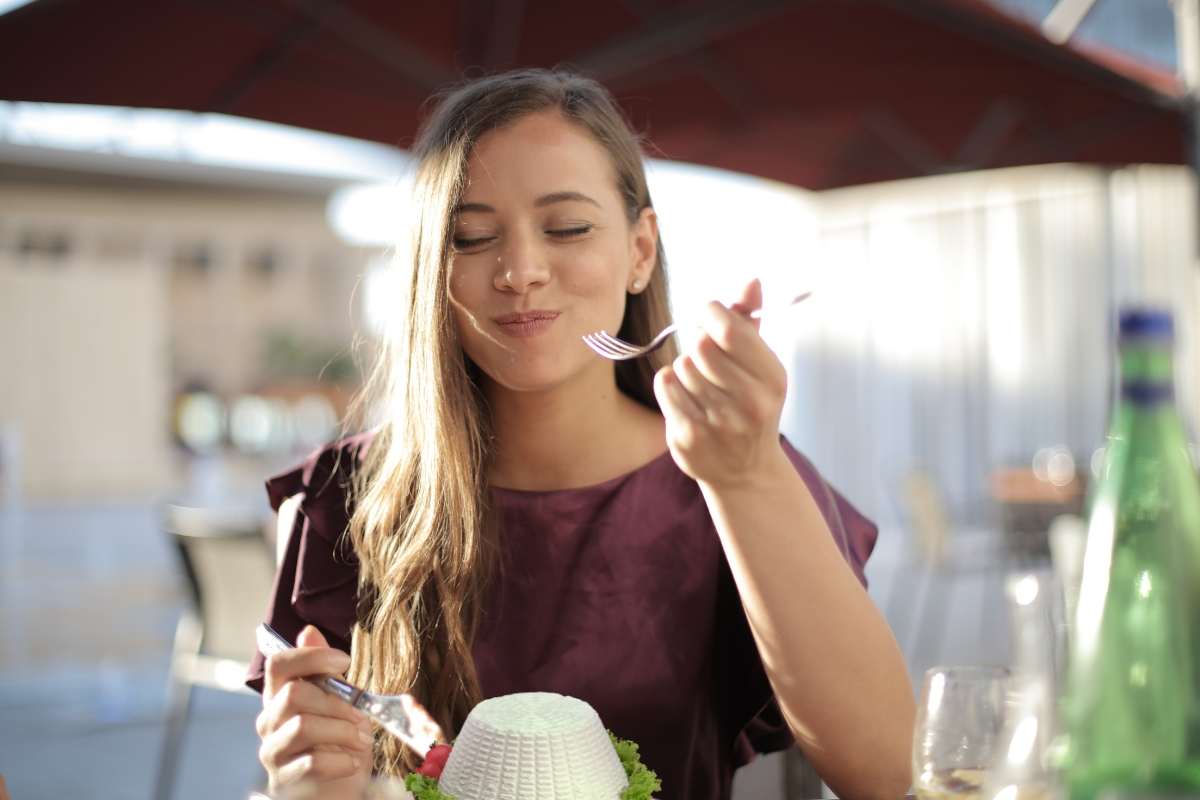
271 642
340 688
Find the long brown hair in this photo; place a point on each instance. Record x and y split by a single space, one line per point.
420 525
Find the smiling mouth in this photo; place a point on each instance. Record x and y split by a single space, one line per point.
527 324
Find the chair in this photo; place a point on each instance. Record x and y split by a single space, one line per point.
228 567
945 556
1029 501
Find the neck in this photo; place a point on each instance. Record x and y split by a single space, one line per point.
577 434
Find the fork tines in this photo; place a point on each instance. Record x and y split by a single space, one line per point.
611 347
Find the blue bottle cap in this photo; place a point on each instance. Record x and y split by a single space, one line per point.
1146 323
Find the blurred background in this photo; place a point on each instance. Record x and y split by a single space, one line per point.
199 202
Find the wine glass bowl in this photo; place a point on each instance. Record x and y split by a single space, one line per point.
958 732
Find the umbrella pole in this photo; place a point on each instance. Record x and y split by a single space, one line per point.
1063 20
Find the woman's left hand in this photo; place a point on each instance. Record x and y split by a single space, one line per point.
723 398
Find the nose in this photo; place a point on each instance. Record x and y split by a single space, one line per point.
520 266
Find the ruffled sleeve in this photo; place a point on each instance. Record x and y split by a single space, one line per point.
317 580
751 717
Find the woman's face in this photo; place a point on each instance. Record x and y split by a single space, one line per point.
543 253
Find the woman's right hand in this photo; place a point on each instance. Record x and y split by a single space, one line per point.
308 735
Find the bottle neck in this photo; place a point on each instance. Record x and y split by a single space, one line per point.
1147 377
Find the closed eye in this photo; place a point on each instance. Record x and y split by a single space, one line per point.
569 233
466 243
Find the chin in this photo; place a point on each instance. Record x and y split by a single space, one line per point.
530 375
527 380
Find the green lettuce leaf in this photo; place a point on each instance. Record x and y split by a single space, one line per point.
424 788
643 782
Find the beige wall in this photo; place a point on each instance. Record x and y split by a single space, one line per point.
85 381
94 343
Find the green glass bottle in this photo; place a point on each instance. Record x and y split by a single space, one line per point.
1133 708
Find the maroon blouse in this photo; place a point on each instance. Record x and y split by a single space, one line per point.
617 593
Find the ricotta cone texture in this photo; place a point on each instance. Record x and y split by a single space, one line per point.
533 746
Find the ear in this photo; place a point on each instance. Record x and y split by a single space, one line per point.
643 244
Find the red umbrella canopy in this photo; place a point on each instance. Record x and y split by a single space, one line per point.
817 93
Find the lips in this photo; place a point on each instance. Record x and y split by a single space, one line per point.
526 323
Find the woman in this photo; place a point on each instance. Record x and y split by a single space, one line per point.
529 516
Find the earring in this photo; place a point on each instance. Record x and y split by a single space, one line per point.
636 286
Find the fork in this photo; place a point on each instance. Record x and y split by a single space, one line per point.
400 714
620 350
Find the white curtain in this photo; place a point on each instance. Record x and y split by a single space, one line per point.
964 322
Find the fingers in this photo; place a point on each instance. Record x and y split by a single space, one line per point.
673 398
736 339
310 636
309 734
303 661
301 697
714 403
708 388
305 734
717 368
750 300
319 766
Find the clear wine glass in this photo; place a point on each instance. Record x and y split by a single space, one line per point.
958 735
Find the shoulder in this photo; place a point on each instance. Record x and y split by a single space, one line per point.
324 480
339 459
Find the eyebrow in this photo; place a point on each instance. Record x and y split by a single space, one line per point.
541 202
